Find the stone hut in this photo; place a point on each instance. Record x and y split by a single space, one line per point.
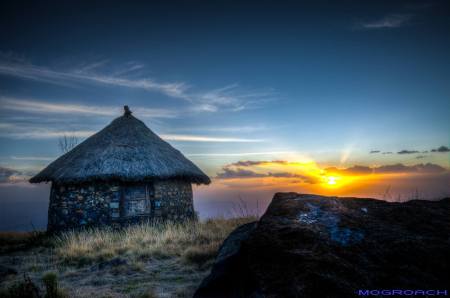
123 174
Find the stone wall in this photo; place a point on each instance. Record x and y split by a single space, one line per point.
75 206
176 200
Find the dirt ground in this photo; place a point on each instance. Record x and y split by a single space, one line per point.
169 277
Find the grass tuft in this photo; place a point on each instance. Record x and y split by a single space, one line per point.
194 242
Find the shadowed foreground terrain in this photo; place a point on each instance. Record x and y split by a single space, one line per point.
168 260
303 246
316 246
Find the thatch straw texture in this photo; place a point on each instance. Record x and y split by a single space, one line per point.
125 150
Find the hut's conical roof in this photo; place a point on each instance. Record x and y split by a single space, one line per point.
125 150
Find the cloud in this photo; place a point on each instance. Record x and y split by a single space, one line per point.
401 168
420 156
32 132
34 158
228 129
8 176
388 169
407 152
229 173
230 97
388 152
303 178
248 163
388 22
40 128
303 172
242 153
354 170
47 120
395 168
36 73
238 173
311 173
199 138
441 149
42 107
374 151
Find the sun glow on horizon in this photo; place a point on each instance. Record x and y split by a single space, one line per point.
331 180
308 176
335 181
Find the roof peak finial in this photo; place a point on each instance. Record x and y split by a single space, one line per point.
127 111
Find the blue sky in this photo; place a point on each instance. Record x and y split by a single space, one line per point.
225 81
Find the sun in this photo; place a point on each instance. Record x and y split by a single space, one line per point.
331 180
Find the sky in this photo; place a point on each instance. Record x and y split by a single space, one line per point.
344 98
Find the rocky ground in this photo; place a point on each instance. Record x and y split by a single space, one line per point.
315 246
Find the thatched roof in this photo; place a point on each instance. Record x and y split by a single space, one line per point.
125 150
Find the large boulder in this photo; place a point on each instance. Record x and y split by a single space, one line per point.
316 246
227 268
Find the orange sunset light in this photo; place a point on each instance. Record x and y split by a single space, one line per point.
306 176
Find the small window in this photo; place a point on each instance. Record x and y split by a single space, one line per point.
157 204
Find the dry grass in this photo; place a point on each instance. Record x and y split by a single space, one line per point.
195 242
165 260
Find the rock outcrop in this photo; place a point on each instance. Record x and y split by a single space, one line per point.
316 246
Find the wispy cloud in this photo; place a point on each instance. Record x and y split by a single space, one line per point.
35 106
28 132
244 129
231 97
35 132
33 72
197 138
242 154
388 22
41 130
32 158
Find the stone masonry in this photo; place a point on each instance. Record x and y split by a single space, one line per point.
176 200
98 204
